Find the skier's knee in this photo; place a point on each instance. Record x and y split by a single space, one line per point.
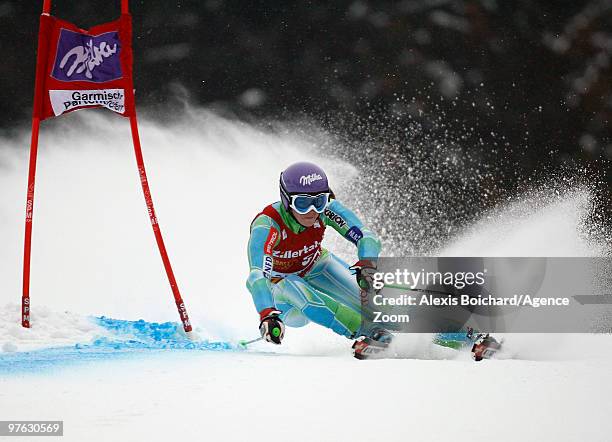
292 317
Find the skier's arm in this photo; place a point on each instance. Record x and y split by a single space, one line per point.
264 236
346 223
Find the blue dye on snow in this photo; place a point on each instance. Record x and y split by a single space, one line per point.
49 359
150 335
127 339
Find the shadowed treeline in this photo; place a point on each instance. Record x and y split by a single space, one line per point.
530 81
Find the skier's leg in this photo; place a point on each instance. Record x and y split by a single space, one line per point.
456 340
332 276
300 302
483 345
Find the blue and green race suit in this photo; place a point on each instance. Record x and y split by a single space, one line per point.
325 291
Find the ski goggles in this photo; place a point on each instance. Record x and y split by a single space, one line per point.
302 204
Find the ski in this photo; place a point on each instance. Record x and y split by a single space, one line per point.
368 348
485 347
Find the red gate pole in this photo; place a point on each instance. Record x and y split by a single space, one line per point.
27 246
180 305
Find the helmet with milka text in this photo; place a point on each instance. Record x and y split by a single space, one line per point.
302 178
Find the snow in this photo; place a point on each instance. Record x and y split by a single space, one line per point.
237 397
130 380
52 329
531 229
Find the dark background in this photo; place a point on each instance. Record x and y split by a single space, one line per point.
524 85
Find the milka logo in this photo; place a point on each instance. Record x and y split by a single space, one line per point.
87 57
83 57
307 180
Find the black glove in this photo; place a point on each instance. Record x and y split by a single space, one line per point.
364 272
271 327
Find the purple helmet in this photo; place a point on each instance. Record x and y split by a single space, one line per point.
302 177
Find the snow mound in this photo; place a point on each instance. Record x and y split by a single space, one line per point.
39 349
48 329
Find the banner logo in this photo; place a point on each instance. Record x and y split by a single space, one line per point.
66 100
83 57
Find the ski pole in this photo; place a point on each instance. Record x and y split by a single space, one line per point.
244 342
403 287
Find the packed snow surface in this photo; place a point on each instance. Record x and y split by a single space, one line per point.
106 356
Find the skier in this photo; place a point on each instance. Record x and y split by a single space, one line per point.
293 280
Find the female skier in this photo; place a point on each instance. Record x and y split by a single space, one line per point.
293 280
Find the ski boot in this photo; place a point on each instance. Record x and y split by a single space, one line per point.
373 346
485 345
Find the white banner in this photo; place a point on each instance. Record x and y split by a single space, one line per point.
66 100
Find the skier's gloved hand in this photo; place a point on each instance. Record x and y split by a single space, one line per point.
364 272
271 327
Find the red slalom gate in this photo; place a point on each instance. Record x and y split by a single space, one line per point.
79 69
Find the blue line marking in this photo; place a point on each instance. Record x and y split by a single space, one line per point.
128 339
